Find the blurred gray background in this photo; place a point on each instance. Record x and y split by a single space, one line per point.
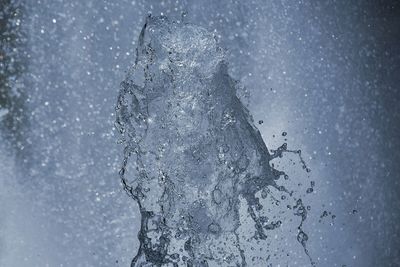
325 72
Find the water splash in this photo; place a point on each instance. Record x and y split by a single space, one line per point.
192 154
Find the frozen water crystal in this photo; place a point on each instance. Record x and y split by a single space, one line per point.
192 154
